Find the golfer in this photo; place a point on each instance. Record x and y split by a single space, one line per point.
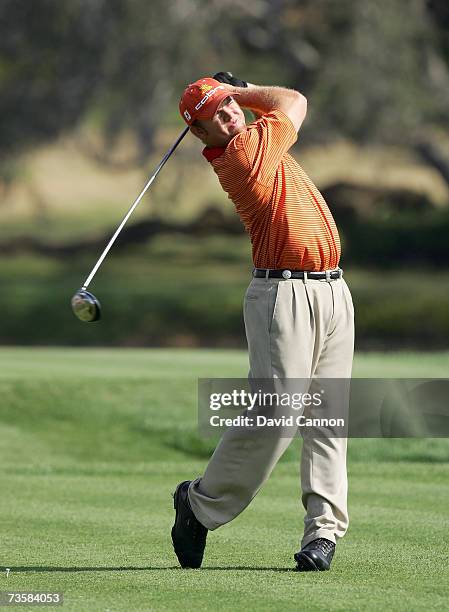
298 312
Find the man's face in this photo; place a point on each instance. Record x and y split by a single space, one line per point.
228 121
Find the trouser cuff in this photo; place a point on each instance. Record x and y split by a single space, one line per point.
197 510
321 533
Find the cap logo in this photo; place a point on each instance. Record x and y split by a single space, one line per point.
205 88
208 95
187 115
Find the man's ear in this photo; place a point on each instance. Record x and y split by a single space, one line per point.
198 131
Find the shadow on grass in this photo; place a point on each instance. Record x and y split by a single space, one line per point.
148 568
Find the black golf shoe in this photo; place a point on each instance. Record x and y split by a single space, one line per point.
316 556
188 534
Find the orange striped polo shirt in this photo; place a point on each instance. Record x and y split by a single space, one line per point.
287 218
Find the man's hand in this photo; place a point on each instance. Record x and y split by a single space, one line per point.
226 77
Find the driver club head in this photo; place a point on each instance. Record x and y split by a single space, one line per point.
85 306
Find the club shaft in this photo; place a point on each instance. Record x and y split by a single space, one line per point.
132 209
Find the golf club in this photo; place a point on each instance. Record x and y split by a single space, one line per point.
85 305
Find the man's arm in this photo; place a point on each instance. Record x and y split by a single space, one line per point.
262 100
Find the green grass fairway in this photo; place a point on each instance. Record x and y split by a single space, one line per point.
93 443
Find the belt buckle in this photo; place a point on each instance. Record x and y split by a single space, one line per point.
328 275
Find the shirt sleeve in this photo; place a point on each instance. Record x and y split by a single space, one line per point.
264 144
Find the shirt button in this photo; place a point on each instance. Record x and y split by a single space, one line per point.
286 274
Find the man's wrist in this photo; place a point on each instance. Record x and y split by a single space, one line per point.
243 91
247 97
264 99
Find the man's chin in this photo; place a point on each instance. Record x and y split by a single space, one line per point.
233 134
236 130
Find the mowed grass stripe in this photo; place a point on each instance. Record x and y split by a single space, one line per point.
175 364
93 443
108 540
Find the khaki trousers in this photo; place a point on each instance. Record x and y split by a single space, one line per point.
295 329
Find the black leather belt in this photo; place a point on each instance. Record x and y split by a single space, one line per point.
287 274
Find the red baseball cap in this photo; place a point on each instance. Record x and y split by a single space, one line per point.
201 99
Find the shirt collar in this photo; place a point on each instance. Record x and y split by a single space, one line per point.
211 153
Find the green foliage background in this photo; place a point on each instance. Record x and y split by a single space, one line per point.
375 73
